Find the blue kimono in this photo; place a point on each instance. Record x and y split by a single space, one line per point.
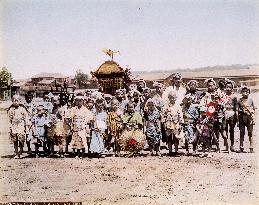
190 116
97 144
40 124
153 128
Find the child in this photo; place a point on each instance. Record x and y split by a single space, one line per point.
18 117
173 118
114 126
192 90
60 129
120 96
40 123
230 104
99 129
209 124
132 138
219 123
108 99
208 105
31 111
246 116
135 97
90 105
47 104
153 127
81 120
190 116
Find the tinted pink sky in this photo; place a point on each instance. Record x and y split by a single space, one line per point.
63 36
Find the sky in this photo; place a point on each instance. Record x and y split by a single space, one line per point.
67 35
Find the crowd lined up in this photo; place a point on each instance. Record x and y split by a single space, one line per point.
95 123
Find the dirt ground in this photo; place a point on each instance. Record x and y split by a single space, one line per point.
223 179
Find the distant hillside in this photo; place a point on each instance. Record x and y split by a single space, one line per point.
208 68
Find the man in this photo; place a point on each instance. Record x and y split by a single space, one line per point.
141 85
177 87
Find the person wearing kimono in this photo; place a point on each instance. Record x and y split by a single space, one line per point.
60 128
99 128
193 92
19 121
135 97
172 118
81 122
153 127
177 87
31 108
132 138
230 109
120 96
40 124
160 102
114 124
246 117
190 117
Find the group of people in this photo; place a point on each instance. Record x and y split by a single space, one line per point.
138 118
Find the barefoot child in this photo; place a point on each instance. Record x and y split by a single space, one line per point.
190 116
230 104
40 123
99 128
18 118
153 127
114 126
81 119
31 111
246 116
173 118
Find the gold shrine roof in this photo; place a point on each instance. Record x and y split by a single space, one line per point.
109 67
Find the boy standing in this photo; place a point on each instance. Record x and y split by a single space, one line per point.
40 123
230 104
246 116
18 117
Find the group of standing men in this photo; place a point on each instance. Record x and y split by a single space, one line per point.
95 123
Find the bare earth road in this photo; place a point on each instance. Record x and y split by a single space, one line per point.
224 179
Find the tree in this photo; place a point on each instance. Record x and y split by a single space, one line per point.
81 79
5 82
